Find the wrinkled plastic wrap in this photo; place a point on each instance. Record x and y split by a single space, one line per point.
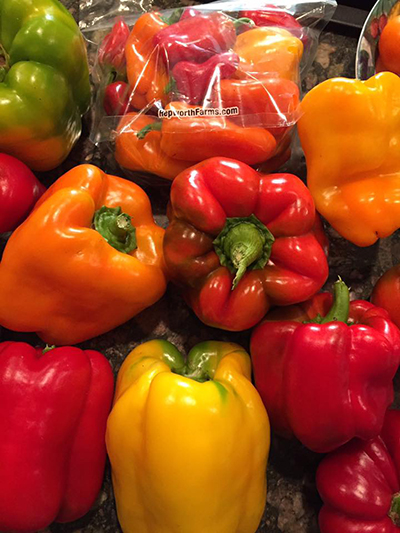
178 86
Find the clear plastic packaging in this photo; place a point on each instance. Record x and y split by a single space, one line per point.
178 86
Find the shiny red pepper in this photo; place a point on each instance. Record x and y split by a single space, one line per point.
53 415
386 293
194 81
225 218
117 99
196 38
19 191
360 484
111 53
271 15
325 371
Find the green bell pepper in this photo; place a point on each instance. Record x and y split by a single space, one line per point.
44 81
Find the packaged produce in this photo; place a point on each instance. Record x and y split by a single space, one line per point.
19 191
44 82
359 484
88 259
324 369
53 414
214 80
240 241
350 131
188 441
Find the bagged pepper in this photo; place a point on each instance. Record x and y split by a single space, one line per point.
188 441
88 258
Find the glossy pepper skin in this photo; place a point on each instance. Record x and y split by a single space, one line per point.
146 72
360 484
200 137
69 281
44 86
144 154
196 38
168 415
53 418
289 266
328 381
271 16
19 191
193 82
350 131
386 293
111 55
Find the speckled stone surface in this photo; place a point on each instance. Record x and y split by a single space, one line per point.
293 502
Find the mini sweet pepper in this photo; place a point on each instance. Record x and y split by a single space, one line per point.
324 369
240 241
360 484
88 258
44 81
188 441
53 413
350 133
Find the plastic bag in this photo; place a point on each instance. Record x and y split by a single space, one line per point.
176 87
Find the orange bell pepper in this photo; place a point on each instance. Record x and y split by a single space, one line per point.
200 137
145 154
144 65
269 50
75 269
350 133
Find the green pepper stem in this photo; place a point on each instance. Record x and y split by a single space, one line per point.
116 228
394 513
174 17
154 126
243 243
48 348
339 312
244 20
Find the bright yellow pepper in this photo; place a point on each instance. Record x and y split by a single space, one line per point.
266 50
350 133
188 443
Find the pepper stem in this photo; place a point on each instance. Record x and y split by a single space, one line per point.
394 513
339 312
243 21
174 17
243 243
154 126
116 228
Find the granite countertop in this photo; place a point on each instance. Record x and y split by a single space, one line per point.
293 502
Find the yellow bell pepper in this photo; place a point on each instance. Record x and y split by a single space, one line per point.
269 50
188 443
350 133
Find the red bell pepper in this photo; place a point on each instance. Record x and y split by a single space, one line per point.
192 81
226 218
19 191
117 99
196 38
53 414
360 484
111 53
386 293
325 371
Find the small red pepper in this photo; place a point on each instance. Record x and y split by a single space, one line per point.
360 484
53 415
117 99
386 293
193 81
19 191
112 49
196 38
325 371
271 15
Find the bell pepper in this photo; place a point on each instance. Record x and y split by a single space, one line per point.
389 43
273 51
146 72
19 191
53 415
226 218
325 371
144 154
117 98
274 16
111 55
44 82
196 38
268 102
360 484
350 131
193 82
87 259
386 293
188 441
195 137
